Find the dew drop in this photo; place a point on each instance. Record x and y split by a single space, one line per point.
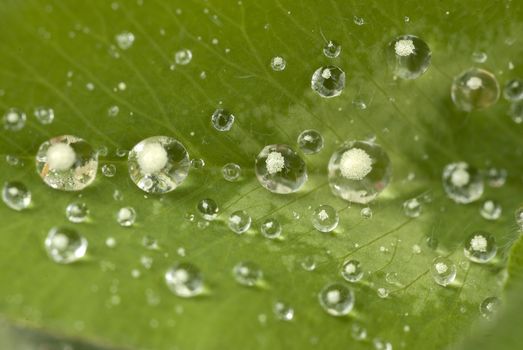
490 210
184 280
516 112
331 49
278 63
513 90
64 245
208 209
382 292
44 115
231 172
110 242
113 111
380 344
283 311
351 271
475 89
16 195
479 57
496 177
222 120
518 214
462 183
109 170
325 218
310 141
336 299
358 332
359 21
443 271
271 228
77 212
197 163
308 263
480 247
183 57
366 213
14 119
124 40
489 307
240 221
328 81
412 208
126 216
409 56
247 273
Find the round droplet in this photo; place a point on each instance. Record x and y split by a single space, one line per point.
359 171
462 183
489 307
280 169
271 228
490 210
208 209
113 111
247 273
222 120
331 49
310 141
308 263
351 271
126 216
358 332
409 56
516 112
44 115
443 271
184 280
67 163
14 119
366 213
16 195
240 221
283 311
380 344
336 299
158 164
513 90
124 40
518 214
65 245
278 63
109 170
412 208
475 89
77 212
325 218
496 177
479 57
231 172
328 81
480 247
382 292
183 57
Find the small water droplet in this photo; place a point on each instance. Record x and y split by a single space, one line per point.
247 273
278 63
208 209
358 332
382 292
271 228
331 49
231 172
359 21
13 160
222 120
197 163
412 208
490 210
308 263
443 271
110 242
479 57
14 119
366 213
475 89
149 242
16 195
409 56
489 307
184 280
328 81
513 90
310 141
516 112
496 177
336 299
325 218
109 170
126 216
64 245
380 344
283 311
183 57
240 221
77 212
480 247
462 183
113 111
124 40
351 271
44 115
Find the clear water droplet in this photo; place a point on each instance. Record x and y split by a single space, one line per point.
184 280
109 170
518 215
280 169
331 49
513 90
480 247
13 160
67 163
359 21
475 89
208 209
183 57
77 212
358 332
412 208
328 81
351 271
516 112
490 210
44 115
240 221
409 56
380 344
271 228
197 163
231 172
336 299
462 183
325 218
126 216
247 273
158 164
278 63
496 177
443 271
490 307
366 213
308 263
479 57
14 119
124 40
310 141
283 311
222 119
149 242
16 195
113 111
64 245
110 242
359 171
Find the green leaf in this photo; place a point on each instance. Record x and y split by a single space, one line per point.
50 52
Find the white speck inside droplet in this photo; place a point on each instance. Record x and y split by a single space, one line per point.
355 164
333 296
152 158
60 241
322 215
474 83
350 268
326 73
460 177
60 156
404 47
235 219
441 267
274 163
181 275
479 243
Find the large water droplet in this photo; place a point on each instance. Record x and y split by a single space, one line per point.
443 271
158 164
325 218
280 169
331 49
65 245
351 271
480 247
462 183
409 56
359 171
240 221
77 212
184 280
310 141
222 119
14 119
247 273
475 89
336 299
328 81
516 112
231 172
271 228
208 209
16 195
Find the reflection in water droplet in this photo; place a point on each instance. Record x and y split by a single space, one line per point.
443 271
222 120
351 271
409 56
183 57
14 120
490 307
310 141
412 208
283 311
44 115
278 63
331 49
124 40
271 228
490 210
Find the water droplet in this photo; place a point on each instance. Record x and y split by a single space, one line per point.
240 221
271 228
382 292
308 263
479 57
124 40
117 195
247 273
480 247
359 171
516 112
113 111
518 214
197 163
443 271
358 332
14 119
331 49
65 245
496 177
149 242
231 172
13 160
222 120
462 183
67 163
184 280
489 307
336 299
126 216
359 21
183 57
310 141
475 89
158 164
380 344
280 169
283 311
412 208
44 115
16 195
409 56
513 90
77 212
328 81
325 218
110 242
490 210
351 271
366 213
109 170
208 209
278 63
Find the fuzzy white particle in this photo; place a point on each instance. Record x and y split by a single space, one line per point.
236 219
60 157
460 177
350 268
441 267
474 83
355 164
322 215
333 296
274 163
60 241
152 158
326 73
404 47
479 243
